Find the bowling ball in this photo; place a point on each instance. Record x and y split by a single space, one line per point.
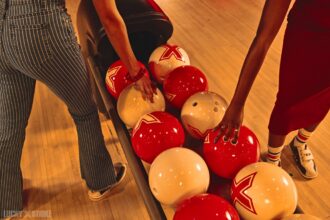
182 83
225 158
116 78
202 112
263 191
177 174
166 58
131 106
300 217
154 133
205 207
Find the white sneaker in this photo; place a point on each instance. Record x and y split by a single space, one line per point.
304 160
121 170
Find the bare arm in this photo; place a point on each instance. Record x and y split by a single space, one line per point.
116 31
271 20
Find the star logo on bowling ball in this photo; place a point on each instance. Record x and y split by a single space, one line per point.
238 194
147 119
111 73
170 96
171 51
207 139
197 132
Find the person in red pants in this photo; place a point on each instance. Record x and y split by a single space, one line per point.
303 97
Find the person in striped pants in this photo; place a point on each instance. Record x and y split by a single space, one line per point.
37 42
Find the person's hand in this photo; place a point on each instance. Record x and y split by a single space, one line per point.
146 87
142 82
230 124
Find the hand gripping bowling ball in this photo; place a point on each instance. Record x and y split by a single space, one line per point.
116 78
154 133
182 83
225 158
263 191
205 207
177 174
131 106
202 112
166 58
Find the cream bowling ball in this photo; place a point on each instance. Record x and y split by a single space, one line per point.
202 112
263 191
131 105
177 174
166 58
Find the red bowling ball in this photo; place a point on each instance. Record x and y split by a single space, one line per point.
225 158
182 83
116 78
206 207
156 132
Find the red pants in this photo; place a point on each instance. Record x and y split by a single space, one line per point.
303 97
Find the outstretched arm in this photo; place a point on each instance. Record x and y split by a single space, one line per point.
116 31
271 20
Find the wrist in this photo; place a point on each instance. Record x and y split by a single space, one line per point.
134 70
137 74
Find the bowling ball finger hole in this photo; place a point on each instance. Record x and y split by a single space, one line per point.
194 104
216 103
215 109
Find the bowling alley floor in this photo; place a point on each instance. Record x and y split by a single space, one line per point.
216 34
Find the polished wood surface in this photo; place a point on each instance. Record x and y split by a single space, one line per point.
51 171
216 34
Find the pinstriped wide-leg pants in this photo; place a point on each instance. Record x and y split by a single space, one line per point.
37 42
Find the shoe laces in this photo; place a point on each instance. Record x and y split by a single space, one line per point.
305 153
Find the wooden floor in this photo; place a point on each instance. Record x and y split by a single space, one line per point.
216 34
51 172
